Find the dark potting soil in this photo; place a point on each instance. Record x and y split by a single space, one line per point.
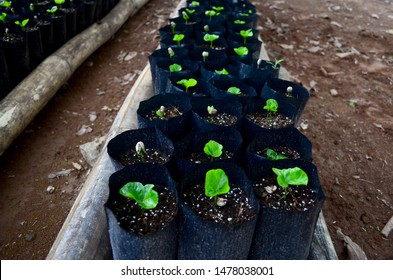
281 150
276 121
218 48
131 216
201 157
169 112
152 156
298 198
223 119
237 209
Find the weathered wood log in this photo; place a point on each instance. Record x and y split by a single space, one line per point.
28 98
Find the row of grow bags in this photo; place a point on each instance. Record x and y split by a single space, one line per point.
186 236
31 30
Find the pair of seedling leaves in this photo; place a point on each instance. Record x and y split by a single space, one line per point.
216 183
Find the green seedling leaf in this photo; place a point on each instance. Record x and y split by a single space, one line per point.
276 63
22 24
246 34
213 149
216 183
59 2
352 104
234 90
187 83
271 105
241 51
222 72
210 38
144 195
52 10
175 67
238 21
5 4
211 110
178 38
211 14
186 17
161 112
190 11
3 17
273 155
290 176
218 8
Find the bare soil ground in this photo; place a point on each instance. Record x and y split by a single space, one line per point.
339 50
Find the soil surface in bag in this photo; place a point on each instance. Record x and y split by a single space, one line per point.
348 119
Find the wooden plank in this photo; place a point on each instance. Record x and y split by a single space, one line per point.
84 233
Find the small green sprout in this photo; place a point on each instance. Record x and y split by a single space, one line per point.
22 24
289 91
144 195
173 27
239 22
234 90
194 4
246 34
216 183
273 155
222 72
290 176
206 28
178 38
218 9
140 150
352 104
212 112
31 7
210 38
213 149
276 63
52 10
211 14
3 17
187 83
244 14
205 55
186 17
5 4
161 112
60 2
271 106
190 11
241 51
171 53
175 67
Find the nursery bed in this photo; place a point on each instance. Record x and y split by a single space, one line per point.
84 233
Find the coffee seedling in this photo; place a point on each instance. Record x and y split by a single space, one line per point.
216 183
290 176
144 195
